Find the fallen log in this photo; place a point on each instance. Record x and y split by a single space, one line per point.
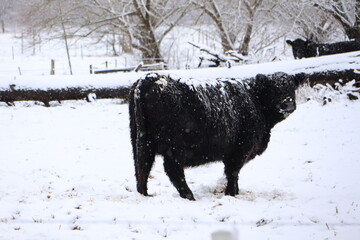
11 95
332 70
333 77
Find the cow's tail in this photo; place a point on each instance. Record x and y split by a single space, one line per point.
143 151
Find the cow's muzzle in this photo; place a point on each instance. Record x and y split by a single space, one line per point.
287 106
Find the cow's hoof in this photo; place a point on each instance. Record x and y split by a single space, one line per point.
142 191
188 196
232 192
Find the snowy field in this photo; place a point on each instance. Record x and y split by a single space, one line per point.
67 173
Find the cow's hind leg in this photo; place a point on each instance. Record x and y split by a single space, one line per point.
232 169
144 160
177 177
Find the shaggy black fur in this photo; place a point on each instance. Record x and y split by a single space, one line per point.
190 125
305 49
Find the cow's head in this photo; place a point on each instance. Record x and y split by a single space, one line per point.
276 94
303 49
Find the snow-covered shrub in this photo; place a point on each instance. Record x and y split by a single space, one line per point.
327 93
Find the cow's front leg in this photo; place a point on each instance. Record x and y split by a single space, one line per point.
232 169
177 177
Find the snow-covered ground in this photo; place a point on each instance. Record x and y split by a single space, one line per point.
67 173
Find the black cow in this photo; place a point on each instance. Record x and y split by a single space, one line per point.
305 49
190 123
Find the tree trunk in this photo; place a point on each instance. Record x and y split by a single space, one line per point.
2 25
150 49
251 9
226 39
244 47
225 43
149 45
352 32
67 50
125 43
65 38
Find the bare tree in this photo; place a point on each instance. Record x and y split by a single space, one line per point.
347 13
57 19
251 7
225 14
249 26
234 20
303 19
6 10
144 23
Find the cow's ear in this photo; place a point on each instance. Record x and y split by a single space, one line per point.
309 42
260 82
299 78
289 42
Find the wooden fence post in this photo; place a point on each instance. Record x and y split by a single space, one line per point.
52 71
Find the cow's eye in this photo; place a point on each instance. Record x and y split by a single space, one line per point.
287 104
288 99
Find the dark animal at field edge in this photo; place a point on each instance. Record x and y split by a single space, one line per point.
307 48
194 124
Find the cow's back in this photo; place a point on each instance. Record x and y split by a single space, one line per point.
338 47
